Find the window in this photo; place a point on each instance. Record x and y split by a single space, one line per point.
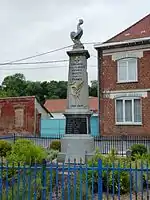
128 111
19 117
127 70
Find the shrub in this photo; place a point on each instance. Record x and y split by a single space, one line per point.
25 151
139 149
5 148
55 145
52 154
111 179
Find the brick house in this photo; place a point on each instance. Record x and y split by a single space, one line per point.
124 81
21 115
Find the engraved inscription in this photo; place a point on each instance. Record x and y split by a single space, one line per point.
77 73
76 126
78 106
77 69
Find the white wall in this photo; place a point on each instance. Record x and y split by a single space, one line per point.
58 115
44 114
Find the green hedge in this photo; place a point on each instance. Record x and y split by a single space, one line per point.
55 145
5 148
25 151
138 149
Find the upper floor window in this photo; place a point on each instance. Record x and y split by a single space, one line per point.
19 117
127 70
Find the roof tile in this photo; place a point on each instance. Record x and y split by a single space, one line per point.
140 29
59 105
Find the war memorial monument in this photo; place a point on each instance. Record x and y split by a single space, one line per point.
77 142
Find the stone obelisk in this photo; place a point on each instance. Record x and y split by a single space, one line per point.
77 140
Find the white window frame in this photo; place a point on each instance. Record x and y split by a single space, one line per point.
125 122
118 65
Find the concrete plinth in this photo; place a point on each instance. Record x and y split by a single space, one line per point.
76 147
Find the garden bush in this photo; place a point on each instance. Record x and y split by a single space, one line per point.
55 145
52 154
5 148
138 149
25 151
112 179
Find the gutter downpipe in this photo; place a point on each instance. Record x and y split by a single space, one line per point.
35 117
99 63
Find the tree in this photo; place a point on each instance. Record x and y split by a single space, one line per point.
57 90
3 93
34 89
14 85
17 85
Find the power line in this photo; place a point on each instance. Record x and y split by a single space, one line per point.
42 54
36 63
34 68
37 55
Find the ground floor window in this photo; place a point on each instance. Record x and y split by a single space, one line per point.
19 117
128 111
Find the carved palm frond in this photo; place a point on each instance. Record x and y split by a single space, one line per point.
76 88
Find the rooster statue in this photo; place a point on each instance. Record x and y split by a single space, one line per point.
75 36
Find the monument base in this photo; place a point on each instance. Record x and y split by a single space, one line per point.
76 147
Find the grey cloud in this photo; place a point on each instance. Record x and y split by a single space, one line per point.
30 27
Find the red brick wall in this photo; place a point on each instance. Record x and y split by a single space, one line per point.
107 106
7 116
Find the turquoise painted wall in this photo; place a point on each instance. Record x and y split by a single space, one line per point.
53 127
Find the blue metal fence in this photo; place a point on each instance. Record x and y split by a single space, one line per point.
74 182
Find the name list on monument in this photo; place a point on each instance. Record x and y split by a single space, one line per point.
77 69
76 126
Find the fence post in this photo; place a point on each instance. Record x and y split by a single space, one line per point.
1 176
100 189
44 179
122 139
14 138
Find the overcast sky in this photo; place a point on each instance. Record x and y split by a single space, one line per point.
36 26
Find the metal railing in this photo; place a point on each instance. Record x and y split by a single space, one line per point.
120 143
74 181
104 143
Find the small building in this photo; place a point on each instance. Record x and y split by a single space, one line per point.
124 81
21 115
58 106
56 125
